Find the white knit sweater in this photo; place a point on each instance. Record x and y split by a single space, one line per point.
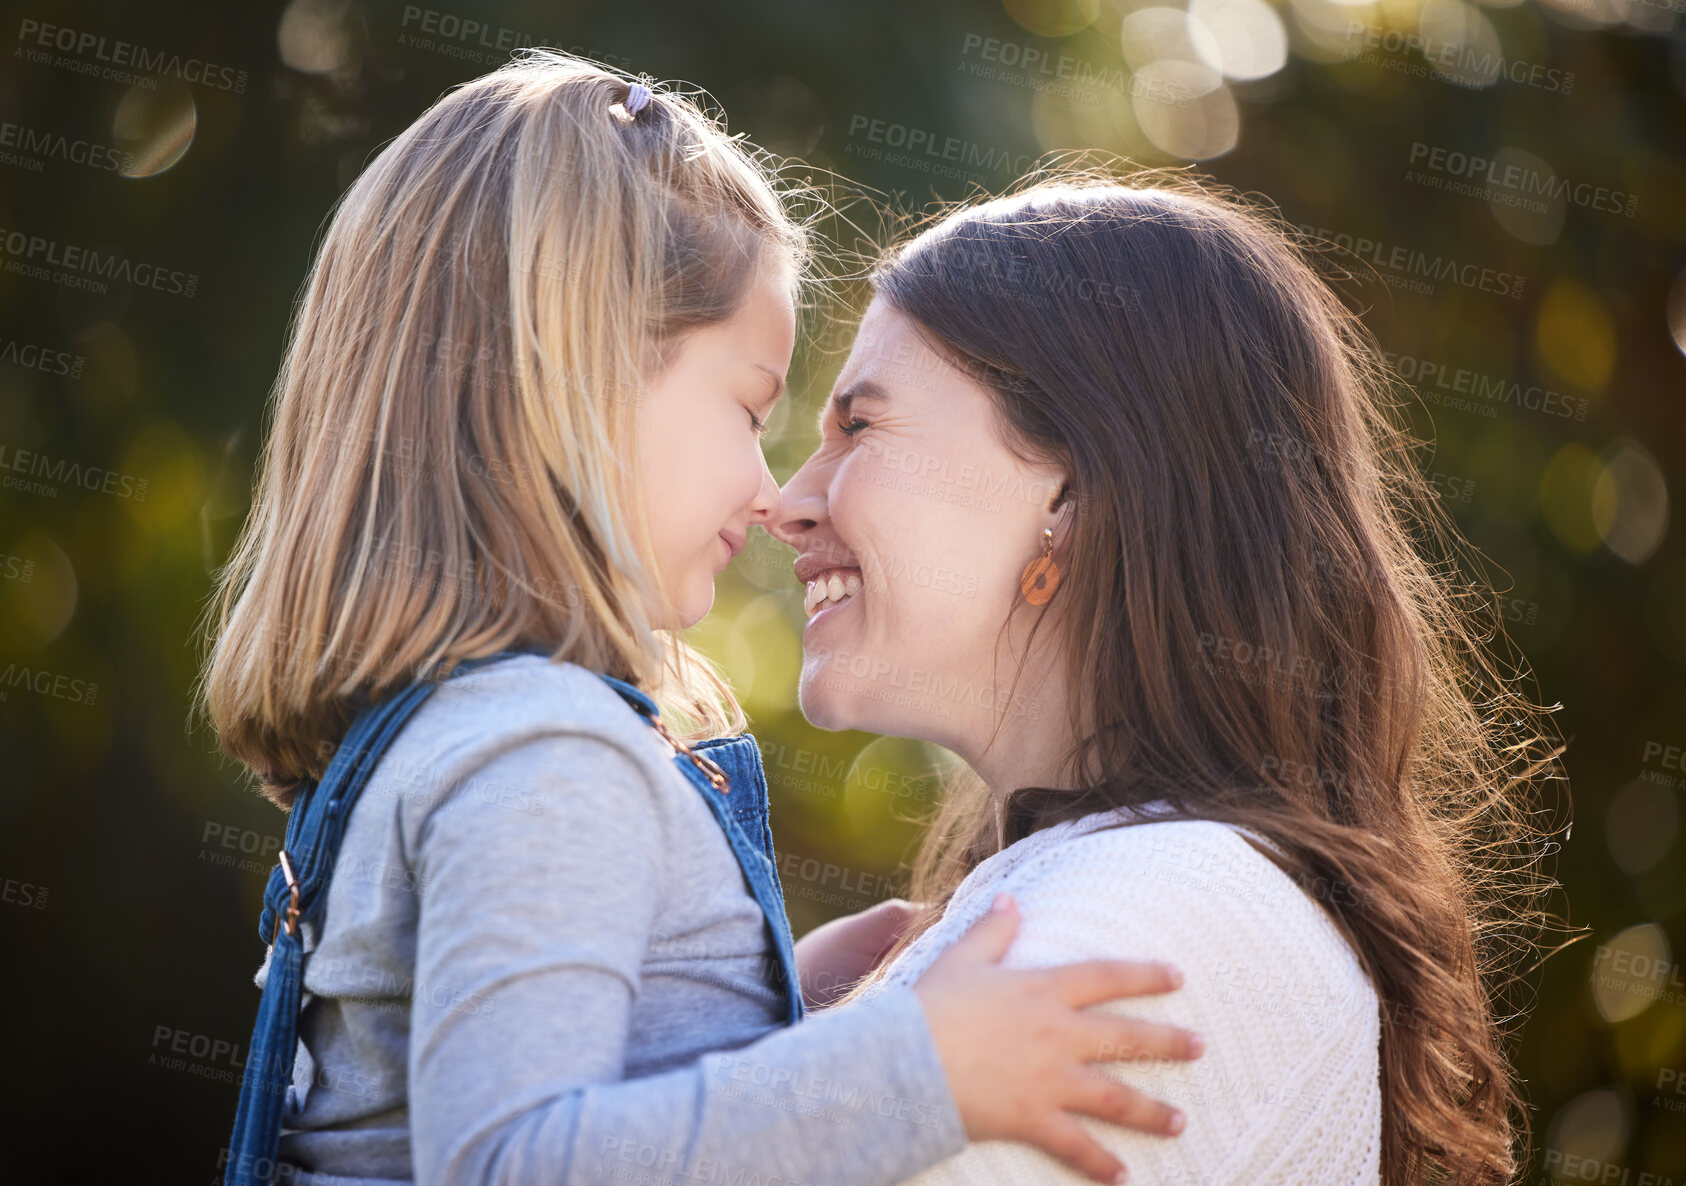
1287 1090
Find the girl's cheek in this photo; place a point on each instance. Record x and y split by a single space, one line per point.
749 475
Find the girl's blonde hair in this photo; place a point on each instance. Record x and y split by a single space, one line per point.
447 471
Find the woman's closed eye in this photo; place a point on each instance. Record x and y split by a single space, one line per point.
849 426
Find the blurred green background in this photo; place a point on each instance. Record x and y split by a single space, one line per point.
1539 142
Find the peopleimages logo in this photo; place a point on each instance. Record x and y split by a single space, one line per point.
47 683
1443 384
1407 267
1519 179
118 53
42 258
35 146
35 357
922 144
1457 61
89 477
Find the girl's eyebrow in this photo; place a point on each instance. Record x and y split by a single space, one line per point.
778 379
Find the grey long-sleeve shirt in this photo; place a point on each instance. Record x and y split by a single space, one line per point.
541 963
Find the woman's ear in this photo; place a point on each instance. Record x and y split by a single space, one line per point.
1061 511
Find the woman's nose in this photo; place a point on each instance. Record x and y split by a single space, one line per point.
801 508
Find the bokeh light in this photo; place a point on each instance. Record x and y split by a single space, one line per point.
155 127
1631 971
1592 1127
1630 502
1641 825
1247 35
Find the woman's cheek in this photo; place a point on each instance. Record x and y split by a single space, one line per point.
862 494
881 524
857 515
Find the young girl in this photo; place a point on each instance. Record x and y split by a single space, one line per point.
518 429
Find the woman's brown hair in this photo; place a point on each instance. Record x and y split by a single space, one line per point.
1260 606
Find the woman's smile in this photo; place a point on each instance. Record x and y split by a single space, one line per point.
828 583
830 594
831 588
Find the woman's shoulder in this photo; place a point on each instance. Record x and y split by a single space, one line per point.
1124 844
1186 882
1183 855
1200 854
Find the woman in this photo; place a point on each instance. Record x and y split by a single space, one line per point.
1110 501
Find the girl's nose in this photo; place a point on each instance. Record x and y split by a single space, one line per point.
765 507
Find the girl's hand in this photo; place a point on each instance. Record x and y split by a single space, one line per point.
833 957
1014 1043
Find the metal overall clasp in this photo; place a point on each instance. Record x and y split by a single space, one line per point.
293 906
710 768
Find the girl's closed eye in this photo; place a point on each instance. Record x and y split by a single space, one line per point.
758 424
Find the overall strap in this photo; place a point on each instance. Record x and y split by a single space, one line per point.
749 833
646 708
297 894
714 766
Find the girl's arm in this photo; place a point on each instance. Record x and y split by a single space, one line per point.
532 933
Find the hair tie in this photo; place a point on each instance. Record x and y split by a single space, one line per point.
637 98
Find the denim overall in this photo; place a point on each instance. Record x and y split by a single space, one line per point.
726 771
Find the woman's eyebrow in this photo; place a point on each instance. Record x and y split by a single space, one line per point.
842 401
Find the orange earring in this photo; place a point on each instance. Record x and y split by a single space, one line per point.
1041 576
